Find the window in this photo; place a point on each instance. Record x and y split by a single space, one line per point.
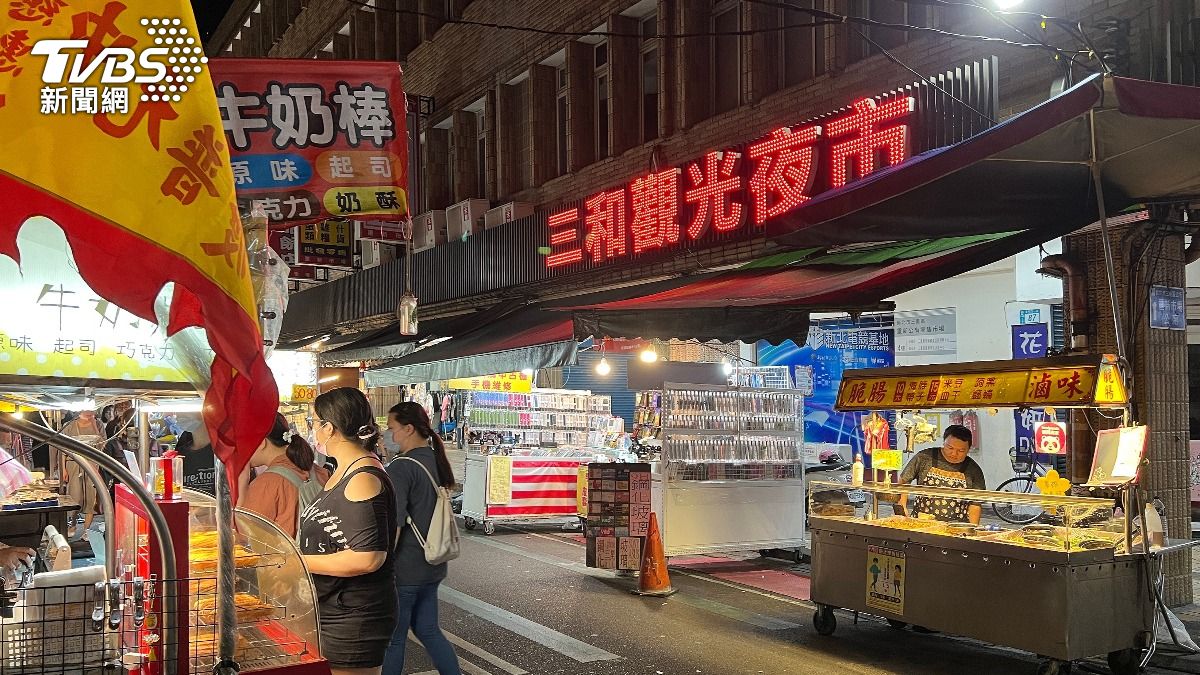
726 56
480 157
603 86
561 120
884 11
803 49
649 78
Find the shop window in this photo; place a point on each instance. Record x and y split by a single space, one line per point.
603 86
802 54
650 86
726 56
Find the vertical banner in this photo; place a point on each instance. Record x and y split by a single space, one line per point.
311 140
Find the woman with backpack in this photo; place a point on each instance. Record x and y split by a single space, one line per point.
288 485
417 474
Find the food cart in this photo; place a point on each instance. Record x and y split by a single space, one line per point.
1073 581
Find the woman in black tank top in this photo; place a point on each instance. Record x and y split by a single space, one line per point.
348 536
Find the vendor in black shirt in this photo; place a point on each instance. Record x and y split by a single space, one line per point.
947 466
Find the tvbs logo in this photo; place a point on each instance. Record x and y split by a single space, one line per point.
81 82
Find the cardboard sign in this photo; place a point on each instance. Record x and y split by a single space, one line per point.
618 507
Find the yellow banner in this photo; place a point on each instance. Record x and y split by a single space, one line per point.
1036 388
509 383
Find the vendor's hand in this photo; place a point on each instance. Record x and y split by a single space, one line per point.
13 557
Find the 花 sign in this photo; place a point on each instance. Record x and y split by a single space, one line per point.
732 192
312 140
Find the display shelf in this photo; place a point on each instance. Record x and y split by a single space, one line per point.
537 419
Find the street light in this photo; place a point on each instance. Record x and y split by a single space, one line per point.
603 368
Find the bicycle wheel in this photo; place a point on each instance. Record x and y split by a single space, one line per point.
1018 514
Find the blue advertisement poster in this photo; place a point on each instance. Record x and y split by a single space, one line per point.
833 346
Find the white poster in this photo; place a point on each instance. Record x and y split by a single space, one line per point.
926 332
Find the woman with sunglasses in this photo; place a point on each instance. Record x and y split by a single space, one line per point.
348 536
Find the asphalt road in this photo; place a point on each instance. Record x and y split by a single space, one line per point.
522 601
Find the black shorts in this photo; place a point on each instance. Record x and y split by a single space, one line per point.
356 626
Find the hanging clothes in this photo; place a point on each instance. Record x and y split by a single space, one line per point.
876 431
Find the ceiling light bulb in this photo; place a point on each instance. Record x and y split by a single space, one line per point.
1007 4
19 415
727 367
649 355
603 368
527 372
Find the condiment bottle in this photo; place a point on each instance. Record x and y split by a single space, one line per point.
856 471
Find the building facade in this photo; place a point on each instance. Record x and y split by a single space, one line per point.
546 102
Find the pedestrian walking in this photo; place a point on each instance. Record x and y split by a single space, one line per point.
348 538
422 457
288 484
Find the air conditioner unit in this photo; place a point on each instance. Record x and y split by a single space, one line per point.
429 230
465 218
506 213
376 253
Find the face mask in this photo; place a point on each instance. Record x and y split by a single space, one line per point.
390 446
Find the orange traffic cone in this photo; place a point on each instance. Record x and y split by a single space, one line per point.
654 579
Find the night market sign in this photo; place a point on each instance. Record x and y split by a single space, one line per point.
732 194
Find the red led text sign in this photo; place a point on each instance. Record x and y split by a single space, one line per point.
730 191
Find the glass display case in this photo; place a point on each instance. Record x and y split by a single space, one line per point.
731 470
1027 526
1044 574
274 595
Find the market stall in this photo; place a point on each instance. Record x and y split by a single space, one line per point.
525 454
1080 564
731 474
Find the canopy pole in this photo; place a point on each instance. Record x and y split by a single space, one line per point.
226 608
1110 266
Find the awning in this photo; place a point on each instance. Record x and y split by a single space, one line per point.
531 338
770 299
1031 172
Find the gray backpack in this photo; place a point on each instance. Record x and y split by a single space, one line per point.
308 489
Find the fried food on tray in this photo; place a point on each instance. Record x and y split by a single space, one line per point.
205 559
249 608
202 540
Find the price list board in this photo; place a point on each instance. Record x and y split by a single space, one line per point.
618 514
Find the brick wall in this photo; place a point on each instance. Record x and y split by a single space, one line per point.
1159 373
458 64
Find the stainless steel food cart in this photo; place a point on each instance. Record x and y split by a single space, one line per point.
1071 594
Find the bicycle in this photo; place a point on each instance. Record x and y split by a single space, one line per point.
1024 483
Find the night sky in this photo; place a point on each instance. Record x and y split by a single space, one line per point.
208 14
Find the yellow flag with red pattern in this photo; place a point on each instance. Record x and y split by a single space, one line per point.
111 130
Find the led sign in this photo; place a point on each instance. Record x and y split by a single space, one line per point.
724 190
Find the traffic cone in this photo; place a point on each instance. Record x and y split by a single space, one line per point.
653 579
